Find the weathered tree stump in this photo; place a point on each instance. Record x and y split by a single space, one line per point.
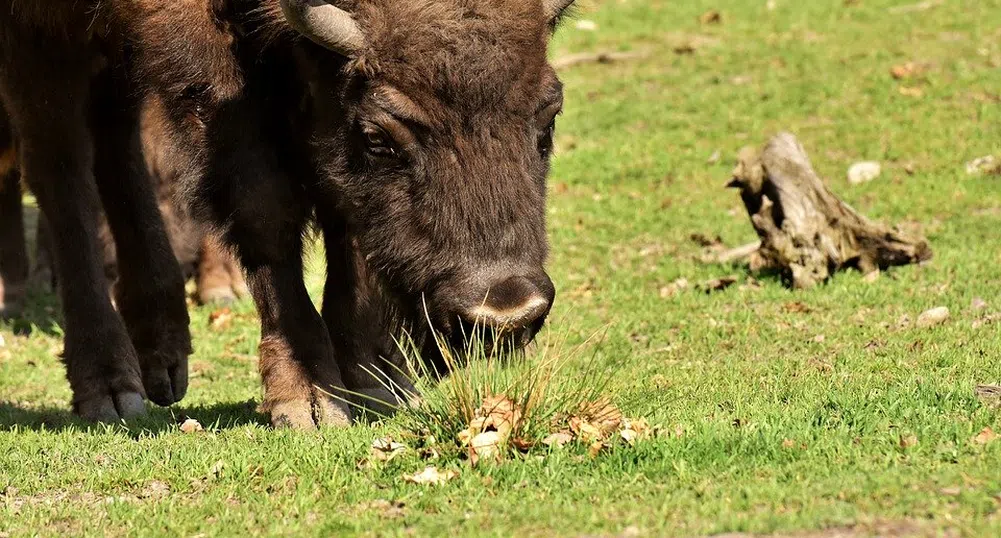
806 232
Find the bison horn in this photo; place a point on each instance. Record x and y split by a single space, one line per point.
555 7
325 25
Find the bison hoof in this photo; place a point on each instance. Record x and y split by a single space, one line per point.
112 408
166 386
322 410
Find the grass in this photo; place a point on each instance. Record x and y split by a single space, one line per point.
799 411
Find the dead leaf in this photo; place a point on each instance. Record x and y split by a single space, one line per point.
595 448
684 48
907 441
978 304
191 426
634 430
155 489
986 320
559 438
638 425
911 91
715 157
385 449
586 25
585 430
386 509
603 414
788 443
797 307
522 445
711 17
497 414
485 446
985 436
220 319
430 476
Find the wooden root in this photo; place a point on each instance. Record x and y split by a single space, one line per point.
806 232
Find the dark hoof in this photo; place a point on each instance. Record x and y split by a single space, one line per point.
111 408
166 385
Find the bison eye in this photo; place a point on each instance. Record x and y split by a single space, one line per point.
545 140
378 143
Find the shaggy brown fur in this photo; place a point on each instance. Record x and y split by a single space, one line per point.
423 159
64 81
200 255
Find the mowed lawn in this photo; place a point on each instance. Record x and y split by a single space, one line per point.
826 412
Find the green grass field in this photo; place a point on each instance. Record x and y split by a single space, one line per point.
816 413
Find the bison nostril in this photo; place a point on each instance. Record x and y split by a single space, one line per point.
513 304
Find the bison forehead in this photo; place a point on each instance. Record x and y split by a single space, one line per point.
471 53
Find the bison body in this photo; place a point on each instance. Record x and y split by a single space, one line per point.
416 134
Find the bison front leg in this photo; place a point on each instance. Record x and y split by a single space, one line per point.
44 84
220 278
149 291
13 253
302 383
263 214
361 328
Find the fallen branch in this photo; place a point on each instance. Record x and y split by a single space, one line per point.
594 57
912 8
738 253
806 232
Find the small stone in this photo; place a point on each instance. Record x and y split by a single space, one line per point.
863 172
932 317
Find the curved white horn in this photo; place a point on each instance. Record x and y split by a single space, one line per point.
325 25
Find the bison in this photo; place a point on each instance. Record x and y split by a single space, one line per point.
218 276
416 134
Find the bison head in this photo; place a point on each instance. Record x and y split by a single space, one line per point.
433 126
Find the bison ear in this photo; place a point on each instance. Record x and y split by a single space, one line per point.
555 8
324 24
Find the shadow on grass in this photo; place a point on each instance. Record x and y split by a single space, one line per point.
41 313
221 416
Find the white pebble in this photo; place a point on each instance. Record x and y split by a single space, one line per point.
935 316
863 172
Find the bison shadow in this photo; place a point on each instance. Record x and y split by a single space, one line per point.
220 416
